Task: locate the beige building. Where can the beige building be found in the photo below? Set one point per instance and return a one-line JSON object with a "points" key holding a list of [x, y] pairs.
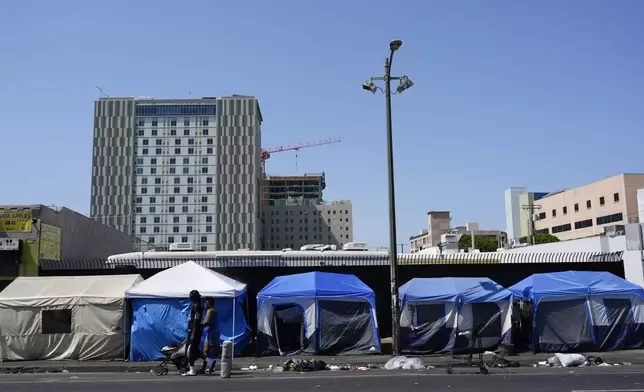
{"points": [[296, 223], [419, 241], [584, 211]]}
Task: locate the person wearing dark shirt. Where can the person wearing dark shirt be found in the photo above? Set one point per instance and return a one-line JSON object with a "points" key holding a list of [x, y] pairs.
{"points": [[211, 345], [195, 332]]}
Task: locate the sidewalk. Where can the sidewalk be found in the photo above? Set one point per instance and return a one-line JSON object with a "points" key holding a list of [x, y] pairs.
{"points": [[633, 357]]}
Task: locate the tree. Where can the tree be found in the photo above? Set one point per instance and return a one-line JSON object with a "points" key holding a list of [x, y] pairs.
{"points": [[482, 243], [539, 238]]}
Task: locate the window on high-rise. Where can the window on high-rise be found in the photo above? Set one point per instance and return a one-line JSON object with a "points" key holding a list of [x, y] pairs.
{"points": [[177, 189], [151, 240], [153, 210], [204, 208], [208, 229], [145, 142], [157, 180], [173, 132], [209, 150], [158, 151], [191, 150], [191, 180], [204, 248], [155, 123], [204, 170], [209, 141], [157, 219], [177, 151], [153, 161], [204, 239], [170, 239], [141, 123], [204, 160], [189, 229], [186, 170], [588, 204], [205, 132], [184, 199], [144, 190], [616, 197], [175, 229], [602, 201], [173, 123], [209, 219], [184, 209], [173, 170], [184, 239], [173, 161], [186, 132], [157, 190], [186, 161], [175, 219], [186, 123], [144, 180], [143, 220], [191, 189], [204, 123], [189, 219], [154, 133], [159, 142], [208, 180], [209, 189], [153, 200], [171, 199], [145, 151], [157, 229], [204, 199], [177, 180], [191, 141], [177, 141], [142, 229], [171, 209], [138, 210]]}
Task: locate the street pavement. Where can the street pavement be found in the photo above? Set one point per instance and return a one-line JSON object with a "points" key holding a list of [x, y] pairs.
{"points": [[634, 357], [528, 380]]}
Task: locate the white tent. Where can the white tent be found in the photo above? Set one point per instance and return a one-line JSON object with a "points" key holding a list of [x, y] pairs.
{"points": [[70, 317], [177, 282]]}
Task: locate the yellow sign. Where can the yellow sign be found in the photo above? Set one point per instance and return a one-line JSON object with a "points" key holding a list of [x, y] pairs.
{"points": [[49, 242], [15, 221]]}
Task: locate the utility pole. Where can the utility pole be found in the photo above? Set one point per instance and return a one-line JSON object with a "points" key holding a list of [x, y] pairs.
{"points": [[402, 248], [530, 209]]}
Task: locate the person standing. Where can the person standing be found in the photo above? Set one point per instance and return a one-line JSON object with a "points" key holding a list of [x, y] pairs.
{"points": [[212, 344], [195, 332]]}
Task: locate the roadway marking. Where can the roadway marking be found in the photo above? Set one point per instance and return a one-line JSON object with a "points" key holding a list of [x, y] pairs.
{"points": [[607, 390]]}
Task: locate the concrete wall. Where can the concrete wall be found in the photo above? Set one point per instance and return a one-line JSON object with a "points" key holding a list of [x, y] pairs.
{"points": [[513, 212], [85, 238], [633, 258]]}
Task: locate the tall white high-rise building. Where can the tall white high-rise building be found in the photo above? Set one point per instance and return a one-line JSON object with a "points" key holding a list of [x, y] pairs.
{"points": [[184, 170]]}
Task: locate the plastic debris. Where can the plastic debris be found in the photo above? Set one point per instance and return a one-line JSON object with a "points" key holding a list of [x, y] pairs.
{"points": [[500, 362], [571, 360], [395, 363], [413, 364]]}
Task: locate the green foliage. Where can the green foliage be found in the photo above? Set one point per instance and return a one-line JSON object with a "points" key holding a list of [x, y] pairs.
{"points": [[482, 243], [540, 238]]}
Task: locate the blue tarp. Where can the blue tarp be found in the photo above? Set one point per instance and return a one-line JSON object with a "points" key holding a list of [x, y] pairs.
{"points": [[581, 311], [316, 285], [573, 284], [337, 310], [461, 290], [158, 322]]}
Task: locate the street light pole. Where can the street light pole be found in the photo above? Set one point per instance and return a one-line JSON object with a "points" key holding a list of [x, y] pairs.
{"points": [[405, 83], [393, 243]]}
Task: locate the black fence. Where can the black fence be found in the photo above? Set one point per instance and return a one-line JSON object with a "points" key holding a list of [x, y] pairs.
{"points": [[375, 275]]}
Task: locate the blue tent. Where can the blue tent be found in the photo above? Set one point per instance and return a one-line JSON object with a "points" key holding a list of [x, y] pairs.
{"points": [[161, 309], [556, 303], [317, 313], [442, 314]]}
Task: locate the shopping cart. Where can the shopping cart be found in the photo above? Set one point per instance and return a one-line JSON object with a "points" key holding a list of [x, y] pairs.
{"points": [[475, 347]]}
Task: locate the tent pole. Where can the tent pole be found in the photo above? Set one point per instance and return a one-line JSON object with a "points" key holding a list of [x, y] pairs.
{"points": [[233, 334]]}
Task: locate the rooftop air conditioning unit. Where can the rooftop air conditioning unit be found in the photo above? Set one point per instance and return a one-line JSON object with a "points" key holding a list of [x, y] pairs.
{"points": [[181, 247]]}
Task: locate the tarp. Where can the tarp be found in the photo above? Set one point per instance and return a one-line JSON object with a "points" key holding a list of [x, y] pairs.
{"points": [[462, 290], [70, 317], [454, 314], [581, 311], [573, 284], [318, 313], [161, 309], [177, 282]]}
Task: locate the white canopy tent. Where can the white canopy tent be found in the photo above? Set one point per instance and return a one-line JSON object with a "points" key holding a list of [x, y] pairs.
{"points": [[70, 317], [162, 289], [177, 282]]}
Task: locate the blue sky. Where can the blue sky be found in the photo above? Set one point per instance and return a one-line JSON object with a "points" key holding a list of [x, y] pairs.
{"points": [[540, 94]]}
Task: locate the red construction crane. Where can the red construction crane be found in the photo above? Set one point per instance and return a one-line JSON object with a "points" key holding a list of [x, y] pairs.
{"points": [[266, 153]]}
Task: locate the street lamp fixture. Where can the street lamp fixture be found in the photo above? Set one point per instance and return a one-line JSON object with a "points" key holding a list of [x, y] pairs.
{"points": [[404, 84]]}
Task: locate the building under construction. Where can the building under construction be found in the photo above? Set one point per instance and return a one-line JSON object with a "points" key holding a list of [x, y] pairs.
{"points": [[304, 190]]}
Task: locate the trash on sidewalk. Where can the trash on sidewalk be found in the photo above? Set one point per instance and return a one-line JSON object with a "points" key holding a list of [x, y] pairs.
{"points": [[500, 362], [571, 360], [303, 365], [402, 362]]}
